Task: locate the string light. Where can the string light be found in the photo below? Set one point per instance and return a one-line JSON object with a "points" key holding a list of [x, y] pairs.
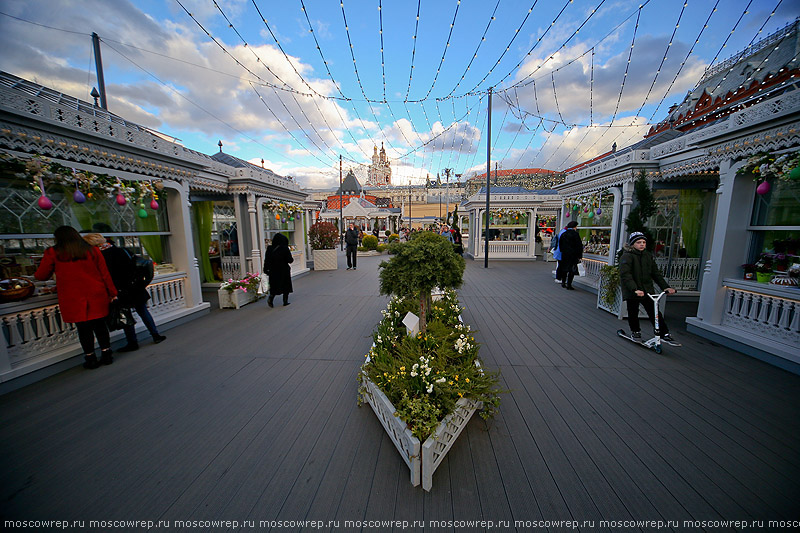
{"points": [[444, 52], [413, 54]]}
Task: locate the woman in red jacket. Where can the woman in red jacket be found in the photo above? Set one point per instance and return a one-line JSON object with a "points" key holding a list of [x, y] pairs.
{"points": [[84, 290]]}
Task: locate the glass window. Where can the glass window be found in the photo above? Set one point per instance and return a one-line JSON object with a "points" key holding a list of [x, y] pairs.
{"points": [[775, 225], [676, 226]]}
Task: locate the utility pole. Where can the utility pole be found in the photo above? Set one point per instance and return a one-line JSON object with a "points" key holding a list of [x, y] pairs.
{"points": [[341, 220], [98, 64], [409, 204], [447, 191], [439, 181], [488, 177]]}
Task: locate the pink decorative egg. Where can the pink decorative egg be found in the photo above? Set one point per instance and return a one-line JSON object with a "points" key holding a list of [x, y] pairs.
{"points": [[121, 200], [763, 188], [153, 204], [45, 203]]}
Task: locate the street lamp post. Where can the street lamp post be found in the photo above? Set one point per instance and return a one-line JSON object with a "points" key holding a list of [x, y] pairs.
{"points": [[341, 221]]}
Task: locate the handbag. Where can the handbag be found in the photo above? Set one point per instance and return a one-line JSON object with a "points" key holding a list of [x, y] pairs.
{"points": [[119, 317], [263, 285]]}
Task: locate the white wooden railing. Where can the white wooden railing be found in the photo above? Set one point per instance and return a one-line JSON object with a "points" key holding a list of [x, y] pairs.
{"points": [[763, 311], [593, 267], [35, 332], [507, 248], [681, 272], [231, 268]]}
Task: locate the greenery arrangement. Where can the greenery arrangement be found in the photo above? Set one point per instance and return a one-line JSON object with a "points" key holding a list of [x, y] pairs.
{"points": [[323, 236], [425, 375], [426, 261], [247, 283], [610, 273], [289, 208], [382, 247], [645, 208], [370, 242]]}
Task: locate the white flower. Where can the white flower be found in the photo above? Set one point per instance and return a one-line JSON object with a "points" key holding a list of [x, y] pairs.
{"points": [[441, 380], [430, 388]]}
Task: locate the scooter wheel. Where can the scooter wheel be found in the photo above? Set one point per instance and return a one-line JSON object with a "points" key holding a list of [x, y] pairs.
{"points": [[657, 348]]}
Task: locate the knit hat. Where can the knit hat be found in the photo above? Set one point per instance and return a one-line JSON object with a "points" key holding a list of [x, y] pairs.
{"points": [[635, 236]]}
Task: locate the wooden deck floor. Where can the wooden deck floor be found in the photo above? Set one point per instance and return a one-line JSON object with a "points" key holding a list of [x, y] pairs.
{"points": [[251, 415]]}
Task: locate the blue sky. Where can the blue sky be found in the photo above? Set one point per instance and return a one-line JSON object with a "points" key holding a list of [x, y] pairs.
{"points": [[569, 78]]}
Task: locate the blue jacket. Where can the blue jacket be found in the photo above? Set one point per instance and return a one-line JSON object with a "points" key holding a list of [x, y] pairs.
{"points": [[556, 251]]}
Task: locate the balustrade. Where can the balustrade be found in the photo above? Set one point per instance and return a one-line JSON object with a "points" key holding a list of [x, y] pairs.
{"points": [[772, 316], [507, 248], [39, 332]]}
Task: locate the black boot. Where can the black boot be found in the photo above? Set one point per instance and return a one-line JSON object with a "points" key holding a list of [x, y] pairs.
{"points": [[270, 300], [90, 361], [285, 299], [105, 357], [130, 347]]}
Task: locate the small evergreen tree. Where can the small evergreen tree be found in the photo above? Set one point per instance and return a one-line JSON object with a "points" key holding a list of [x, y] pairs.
{"points": [[645, 208], [417, 266]]}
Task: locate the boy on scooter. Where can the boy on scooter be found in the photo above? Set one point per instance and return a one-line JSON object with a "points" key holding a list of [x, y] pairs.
{"points": [[638, 271]]}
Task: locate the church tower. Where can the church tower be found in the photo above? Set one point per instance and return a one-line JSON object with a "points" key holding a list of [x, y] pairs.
{"points": [[380, 172]]}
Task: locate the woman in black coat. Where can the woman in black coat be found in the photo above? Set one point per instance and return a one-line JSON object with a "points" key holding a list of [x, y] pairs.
{"points": [[122, 267], [571, 247], [276, 265]]}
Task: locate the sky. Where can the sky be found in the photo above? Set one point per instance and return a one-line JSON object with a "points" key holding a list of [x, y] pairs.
{"points": [[301, 83]]}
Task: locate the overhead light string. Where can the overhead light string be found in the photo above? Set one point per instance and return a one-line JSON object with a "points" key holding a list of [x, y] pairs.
{"points": [[444, 52], [413, 53]]}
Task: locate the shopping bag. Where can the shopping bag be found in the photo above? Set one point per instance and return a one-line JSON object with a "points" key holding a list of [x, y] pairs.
{"points": [[263, 285], [581, 269], [119, 317]]}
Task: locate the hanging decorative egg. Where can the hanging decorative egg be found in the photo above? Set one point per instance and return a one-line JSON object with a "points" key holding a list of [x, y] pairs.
{"points": [[585, 209], [763, 188], [142, 212], [78, 196], [44, 202], [121, 199], [599, 211], [795, 173], [591, 214], [153, 204], [291, 219], [575, 207], [277, 217], [566, 215]]}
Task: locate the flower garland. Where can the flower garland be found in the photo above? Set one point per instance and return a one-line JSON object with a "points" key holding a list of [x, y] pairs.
{"points": [[765, 166], [285, 207], [42, 173], [589, 204], [508, 213]]}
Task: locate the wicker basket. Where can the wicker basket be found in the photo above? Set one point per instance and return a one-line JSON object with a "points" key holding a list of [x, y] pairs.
{"points": [[14, 289]]}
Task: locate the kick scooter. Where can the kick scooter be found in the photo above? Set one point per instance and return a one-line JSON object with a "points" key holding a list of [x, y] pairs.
{"points": [[654, 343]]}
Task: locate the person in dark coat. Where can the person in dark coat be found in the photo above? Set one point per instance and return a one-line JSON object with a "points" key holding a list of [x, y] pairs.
{"points": [[458, 241], [122, 267], [351, 240], [85, 289], [276, 266], [571, 248], [637, 273]]}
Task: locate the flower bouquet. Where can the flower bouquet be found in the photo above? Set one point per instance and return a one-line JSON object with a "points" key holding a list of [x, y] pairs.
{"points": [[247, 283], [238, 292]]}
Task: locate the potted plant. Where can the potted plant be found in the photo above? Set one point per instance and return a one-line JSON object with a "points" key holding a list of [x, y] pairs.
{"points": [[764, 269], [323, 236], [781, 262], [749, 271], [235, 293], [424, 387]]}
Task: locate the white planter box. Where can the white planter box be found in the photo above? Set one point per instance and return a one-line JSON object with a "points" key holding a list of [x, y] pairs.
{"points": [[421, 460], [236, 298], [325, 259]]}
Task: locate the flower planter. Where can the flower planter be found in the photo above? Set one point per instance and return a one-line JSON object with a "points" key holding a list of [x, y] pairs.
{"points": [[422, 459], [325, 259], [618, 307], [236, 298], [763, 277]]}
